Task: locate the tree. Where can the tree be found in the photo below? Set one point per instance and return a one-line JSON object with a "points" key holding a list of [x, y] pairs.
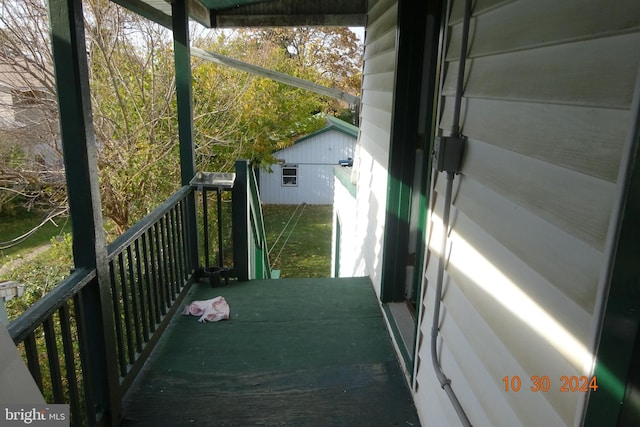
{"points": [[133, 102], [334, 53], [134, 107], [31, 168], [253, 116]]}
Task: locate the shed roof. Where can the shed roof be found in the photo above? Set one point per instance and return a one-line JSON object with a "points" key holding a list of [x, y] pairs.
{"points": [[332, 123]]}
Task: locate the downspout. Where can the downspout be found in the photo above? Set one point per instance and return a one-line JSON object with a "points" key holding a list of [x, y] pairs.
{"points": [[448, 157]]}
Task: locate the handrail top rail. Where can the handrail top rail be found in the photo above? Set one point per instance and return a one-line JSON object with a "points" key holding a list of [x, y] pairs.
{"points": [[136, 230], [38, 312]]}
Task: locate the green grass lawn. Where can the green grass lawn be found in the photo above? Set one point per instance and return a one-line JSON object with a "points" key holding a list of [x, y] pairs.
{"points": [[303, 250], [307, 251], [14, 226]]}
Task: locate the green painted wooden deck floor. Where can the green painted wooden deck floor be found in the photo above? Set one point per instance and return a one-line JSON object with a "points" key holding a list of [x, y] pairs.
{"points": [[296, 352]]}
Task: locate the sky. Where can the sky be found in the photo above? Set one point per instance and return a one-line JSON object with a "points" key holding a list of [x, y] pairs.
{"points": [[359, 32]]}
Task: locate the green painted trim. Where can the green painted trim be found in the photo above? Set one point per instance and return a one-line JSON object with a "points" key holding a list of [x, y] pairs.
{"points": [[259, 236], [85, 208], [139, 228], [333, 124], [404, 142], [147, 11], [613, 402], [184, 96], [35, 315], [427, 129], [226, 4], [183, 90], [343, 174], [197, 11], [76, 127], [259, 266], [336, 255], [404, 351], [239, 222], [343, 126], [248, 226]]}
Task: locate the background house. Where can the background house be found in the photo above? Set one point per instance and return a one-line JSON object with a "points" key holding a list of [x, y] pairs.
{"points": [[28, 117], [305, 172]]}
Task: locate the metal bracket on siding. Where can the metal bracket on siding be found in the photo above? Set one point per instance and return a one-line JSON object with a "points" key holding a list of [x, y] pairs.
{"points": [[448, 153]]}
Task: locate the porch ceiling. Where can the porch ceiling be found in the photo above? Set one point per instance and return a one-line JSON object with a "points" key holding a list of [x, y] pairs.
{"points": [[257, 13]]}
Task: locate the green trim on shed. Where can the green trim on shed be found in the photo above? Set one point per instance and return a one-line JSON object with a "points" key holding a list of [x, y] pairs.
{"points": [[343, 126], [332, 124], [343, 174]]}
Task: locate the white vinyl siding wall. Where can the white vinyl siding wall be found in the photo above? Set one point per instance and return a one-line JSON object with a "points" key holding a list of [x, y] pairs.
{"points": [[315, 159], [349, 257], [372, 154], [546, 112]]}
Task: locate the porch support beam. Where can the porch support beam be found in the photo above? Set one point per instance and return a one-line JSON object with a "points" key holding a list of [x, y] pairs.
{"points": [[180, 21], [89, 244]]}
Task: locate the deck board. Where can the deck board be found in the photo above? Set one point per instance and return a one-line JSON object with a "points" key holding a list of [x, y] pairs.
{"points": [[299, 352]]}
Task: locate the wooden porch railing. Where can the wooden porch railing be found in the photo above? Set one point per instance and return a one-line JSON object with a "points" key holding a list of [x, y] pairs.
{"points": [[149, 276], [148, 267]]}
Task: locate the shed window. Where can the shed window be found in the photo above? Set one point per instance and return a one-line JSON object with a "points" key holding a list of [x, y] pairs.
{"points": [[290, 175]]}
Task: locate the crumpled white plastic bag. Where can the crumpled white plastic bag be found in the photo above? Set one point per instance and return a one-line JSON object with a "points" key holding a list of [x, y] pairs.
{"points": [[210, 310]]}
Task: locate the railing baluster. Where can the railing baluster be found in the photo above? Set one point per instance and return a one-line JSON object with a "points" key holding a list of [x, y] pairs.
{"points": [[160, 265], [166, 285], [33, 362], [115, 296], [172, 256], [186, 237], [54, 360], [166, 245], [127, 312], [175, 213], [173, 248], [144, 313], [174, 252], [182, 245], [83, 341], [151, 262], [69, 359], [135, 314], [148, 270]]}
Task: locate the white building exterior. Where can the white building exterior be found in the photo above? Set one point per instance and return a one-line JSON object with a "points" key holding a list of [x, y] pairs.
{"points": [[346, 253], [550, 110], [305, 172]]}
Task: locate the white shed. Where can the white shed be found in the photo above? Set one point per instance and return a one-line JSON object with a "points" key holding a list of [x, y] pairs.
{"points": [[305, 171]]}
